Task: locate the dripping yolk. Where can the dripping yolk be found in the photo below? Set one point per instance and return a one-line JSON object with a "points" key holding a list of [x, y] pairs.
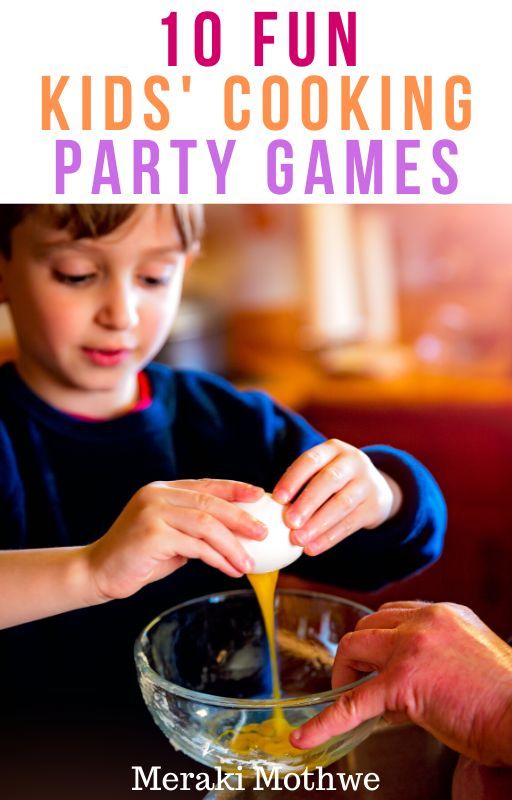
{"points": [[270, 736]]}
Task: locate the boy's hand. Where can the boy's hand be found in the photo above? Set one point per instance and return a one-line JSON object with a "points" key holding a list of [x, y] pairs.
{"points": [[164, 525], [340, 493]]}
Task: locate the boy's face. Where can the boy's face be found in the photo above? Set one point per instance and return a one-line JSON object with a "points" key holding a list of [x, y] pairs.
{"points": [[90, 313]]}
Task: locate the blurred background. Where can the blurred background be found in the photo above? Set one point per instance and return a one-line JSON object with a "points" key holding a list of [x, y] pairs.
{"points": [[385, 324]]}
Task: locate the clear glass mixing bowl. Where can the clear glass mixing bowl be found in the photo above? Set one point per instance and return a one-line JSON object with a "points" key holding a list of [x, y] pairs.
{"points": [[204, 672]]}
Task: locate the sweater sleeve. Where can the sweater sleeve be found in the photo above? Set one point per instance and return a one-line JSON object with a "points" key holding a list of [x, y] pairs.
{"points": [[409, 541], [12, 506]]}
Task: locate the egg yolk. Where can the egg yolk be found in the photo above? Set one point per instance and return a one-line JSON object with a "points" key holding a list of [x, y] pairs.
{"points": [[270, 736]]}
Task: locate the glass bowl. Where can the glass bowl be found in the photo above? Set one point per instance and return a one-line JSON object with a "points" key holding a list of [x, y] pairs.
{"points": [[204, 672]]}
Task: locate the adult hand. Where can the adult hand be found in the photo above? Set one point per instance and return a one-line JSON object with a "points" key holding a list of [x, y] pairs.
{"points": [[438, 666]]}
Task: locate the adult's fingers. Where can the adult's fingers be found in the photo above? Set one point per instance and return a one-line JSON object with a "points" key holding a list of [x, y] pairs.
{"points": [[371, 647], [351, 709], [344, 673], [386, 618], [405, 604]]}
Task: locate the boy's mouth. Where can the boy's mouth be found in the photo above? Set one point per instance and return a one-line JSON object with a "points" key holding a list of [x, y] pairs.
{"points": [[106, 358]]}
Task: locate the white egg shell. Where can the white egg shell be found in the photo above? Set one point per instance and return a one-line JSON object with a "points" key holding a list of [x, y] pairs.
{"points": [[276, 550]]}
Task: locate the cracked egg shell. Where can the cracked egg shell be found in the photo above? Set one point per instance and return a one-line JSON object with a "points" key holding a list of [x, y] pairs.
{"points": [[276, 550]]}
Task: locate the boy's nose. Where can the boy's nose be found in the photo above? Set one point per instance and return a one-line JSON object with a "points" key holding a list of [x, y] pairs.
{"points": [[119, 309]]}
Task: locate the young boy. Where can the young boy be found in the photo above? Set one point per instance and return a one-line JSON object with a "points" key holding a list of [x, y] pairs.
{"points": [[114, 474]]}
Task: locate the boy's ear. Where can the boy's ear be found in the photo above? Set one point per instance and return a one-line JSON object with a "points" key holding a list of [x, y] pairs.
{"points": [[3, 292], [192, 254]]}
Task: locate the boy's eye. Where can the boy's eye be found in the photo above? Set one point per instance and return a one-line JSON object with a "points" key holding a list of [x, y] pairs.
{"points": [[154, 280], [158, 271], [73, 280]]}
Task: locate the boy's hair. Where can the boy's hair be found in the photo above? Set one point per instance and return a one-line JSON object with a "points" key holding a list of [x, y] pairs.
{"points": [[95, 220]]}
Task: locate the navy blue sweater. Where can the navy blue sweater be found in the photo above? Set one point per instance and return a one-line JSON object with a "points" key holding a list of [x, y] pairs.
{"points": [[63, 481]]}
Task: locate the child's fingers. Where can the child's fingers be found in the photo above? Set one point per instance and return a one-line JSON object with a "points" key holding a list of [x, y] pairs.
{"points": [[304, 467], [340, 505], [176, 563], [352, 523], [204, 527], [164, 568], [233, 517], [234, 491], [189, 547], [330, 480]]}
